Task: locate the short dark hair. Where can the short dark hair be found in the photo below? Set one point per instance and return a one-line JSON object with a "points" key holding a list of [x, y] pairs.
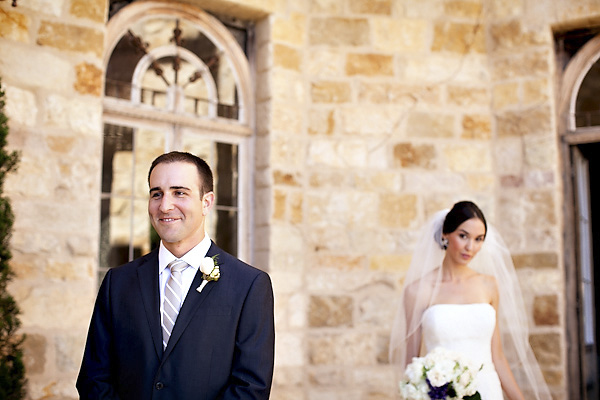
{"points": [[460, 212], [206, 176]]}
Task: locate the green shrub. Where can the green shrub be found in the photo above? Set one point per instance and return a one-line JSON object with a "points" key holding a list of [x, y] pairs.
{"points": [[12, 369]]}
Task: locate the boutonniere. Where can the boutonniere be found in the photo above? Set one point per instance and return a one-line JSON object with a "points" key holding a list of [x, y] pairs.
{"points": [[210, 271]]}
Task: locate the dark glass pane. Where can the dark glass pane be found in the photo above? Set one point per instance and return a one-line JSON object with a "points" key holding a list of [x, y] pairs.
{"points": [[227, 228], [587, 106], [118, 140], [226, 175]]}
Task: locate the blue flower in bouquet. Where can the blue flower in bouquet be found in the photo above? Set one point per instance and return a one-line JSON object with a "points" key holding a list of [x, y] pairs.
{"points": [[440, 375]]}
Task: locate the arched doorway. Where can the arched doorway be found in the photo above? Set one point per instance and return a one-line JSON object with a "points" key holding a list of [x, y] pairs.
{"points": [[579, 127]]}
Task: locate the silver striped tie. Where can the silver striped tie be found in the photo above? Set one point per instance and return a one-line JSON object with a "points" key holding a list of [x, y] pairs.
{"points": [[173, 297]]}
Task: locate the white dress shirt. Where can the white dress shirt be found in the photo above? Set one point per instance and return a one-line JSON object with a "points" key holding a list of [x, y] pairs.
{"points": [[193, 258]]}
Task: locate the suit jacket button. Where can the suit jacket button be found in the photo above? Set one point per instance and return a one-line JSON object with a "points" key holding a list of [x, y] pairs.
{"points": [[159, 385]]}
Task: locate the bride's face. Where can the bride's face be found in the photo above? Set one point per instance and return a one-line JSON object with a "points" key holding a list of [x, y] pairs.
{"points": [[466, 241]]}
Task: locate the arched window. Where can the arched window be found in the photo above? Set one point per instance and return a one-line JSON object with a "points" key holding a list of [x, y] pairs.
{"points": [[177, 78]]}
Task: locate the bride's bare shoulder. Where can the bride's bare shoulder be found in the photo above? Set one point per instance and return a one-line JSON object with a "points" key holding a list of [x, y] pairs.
{"points": [[422, 285]]}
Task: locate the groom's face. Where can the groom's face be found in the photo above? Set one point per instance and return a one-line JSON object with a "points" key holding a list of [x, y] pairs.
{"points": [[177, 206]]}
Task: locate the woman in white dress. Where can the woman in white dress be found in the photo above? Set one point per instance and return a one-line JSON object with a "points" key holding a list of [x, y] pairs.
{"points": [[469, 304]]}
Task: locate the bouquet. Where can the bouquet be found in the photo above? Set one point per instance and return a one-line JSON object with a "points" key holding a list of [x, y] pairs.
{"points": [[442, 374]]}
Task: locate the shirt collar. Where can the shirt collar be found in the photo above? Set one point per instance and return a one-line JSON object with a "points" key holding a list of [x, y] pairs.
{"points": [[193, 257]]}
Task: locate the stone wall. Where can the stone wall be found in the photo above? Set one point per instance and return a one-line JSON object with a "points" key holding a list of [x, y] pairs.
{"points": [[372, 115], [51, 66]]}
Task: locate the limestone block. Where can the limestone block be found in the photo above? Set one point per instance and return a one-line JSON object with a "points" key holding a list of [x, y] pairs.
{"points": [[351, 209], [342, 262], [481, 182], [74, 113], [543, 281], [290, 349], [20, 106], [321, 121], [339, 31], [285, 178], [540, 209], [88, 79], [333, 282], [397, 211], [511, 36], [73, 270], [390, 262], [326, 62], [470, 158], [383, 181], [35, 349], [286, 118], [330, 92], [287, 153], [348, 349], [468, 96], [330, 311], [287, 86], [420, 181], [547, 348], [39, 69], [286, 57], [328, 237], [509, 156], [401, 34], [536, 91], [288, 378], [545, 310], [14, 26], [94, 10], [377, 7], [69, 350], [529, 64], [337, 154], [541, 152], [532, 121], [554, 378], [463, 9], [506, 94], [506, 8], [476, 126], [296, 207], [326, 6], [408, 155], [52, 7], [400, 95], [436, 68], [539, 179], [71, 38], [432, 125], [374, 120], [458, 38], [289, 30], [376, 381], [327, 178], [370, 65], [426, 9], [39, 311]]}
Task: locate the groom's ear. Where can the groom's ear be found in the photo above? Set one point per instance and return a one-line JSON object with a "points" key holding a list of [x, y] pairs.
{"points": [[208, 200]]}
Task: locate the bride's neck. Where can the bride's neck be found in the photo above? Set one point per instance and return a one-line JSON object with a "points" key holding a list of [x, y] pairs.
{"points": [[452, 272]]}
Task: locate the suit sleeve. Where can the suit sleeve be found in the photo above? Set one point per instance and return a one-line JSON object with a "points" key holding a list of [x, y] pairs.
{"points": [[95, 380], [252, 371]]}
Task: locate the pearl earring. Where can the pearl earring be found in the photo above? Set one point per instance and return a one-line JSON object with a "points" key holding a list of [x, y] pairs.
{"points": [[444, 243]]}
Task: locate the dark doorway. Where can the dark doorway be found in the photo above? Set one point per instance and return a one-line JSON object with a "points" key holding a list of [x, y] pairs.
{"points": [[586, 167]]}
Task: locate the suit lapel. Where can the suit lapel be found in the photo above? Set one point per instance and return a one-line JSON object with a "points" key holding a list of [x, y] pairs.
{"points": [[192, 302], [148, 278]]}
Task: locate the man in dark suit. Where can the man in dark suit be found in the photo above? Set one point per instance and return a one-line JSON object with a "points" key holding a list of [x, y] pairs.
{"points": [[221, 345]]}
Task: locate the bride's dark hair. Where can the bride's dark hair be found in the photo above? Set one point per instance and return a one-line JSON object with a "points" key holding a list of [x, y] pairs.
{"points": [[460, 212]]}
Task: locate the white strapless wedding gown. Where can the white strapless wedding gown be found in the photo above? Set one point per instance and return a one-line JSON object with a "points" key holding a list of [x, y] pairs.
{"points": [[466, 328]]}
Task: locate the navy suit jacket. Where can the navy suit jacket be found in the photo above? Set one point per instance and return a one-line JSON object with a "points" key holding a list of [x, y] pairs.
{"points": [[221, 347]]}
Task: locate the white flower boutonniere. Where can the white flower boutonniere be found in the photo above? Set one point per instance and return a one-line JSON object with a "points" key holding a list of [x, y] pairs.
{"points": [[210, 271]]}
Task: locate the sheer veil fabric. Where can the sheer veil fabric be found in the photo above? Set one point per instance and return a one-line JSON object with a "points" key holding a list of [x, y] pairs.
{"points": [[424, 276]]}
